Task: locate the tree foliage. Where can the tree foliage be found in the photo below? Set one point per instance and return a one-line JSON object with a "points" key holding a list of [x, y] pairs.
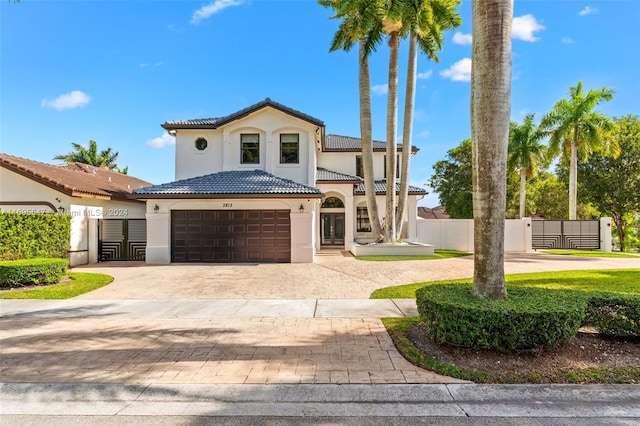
{"points": [[452, 181], [105, 158], [613, 184]]}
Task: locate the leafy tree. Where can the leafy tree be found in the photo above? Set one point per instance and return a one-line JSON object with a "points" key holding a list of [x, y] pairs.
{"points": [[490, 111], [105, 158], [577, 130], [525, 153], [613, 184], [452, 181]]}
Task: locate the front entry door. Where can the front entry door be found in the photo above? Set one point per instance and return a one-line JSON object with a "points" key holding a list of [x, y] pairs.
{"points": [[332, 228]]}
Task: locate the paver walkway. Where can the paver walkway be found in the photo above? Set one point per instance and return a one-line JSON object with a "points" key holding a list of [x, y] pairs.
{"points": [[84, 341]]}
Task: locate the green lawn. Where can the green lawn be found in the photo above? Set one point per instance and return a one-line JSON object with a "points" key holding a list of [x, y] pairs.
{"points": [[591, 253], [81, 283], [613, 280], [438, 254]]}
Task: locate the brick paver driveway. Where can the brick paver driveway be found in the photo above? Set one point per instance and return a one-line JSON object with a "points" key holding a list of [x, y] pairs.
{"points": [[47, 347]]}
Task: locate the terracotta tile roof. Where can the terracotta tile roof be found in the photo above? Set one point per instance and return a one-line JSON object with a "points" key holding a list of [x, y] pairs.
{"points": [[215, 122], [241, 183], [338, 143], [381, 188], [75, 179], [434, 213], [325, 175]]}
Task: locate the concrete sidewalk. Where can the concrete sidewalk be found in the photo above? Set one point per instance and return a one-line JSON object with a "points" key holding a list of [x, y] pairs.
{"points": [[482, 402], [212, 308]]}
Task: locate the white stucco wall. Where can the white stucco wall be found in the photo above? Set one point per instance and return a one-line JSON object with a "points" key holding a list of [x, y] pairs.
{"points": [[345, 162], [223, 148], [457, 234], [159, 223], [85, 211]]}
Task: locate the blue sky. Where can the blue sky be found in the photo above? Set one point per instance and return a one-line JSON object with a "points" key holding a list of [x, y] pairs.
{"points": [[113, 71]]}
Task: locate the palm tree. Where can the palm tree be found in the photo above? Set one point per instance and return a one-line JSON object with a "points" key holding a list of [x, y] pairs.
{"points": [[577, 131], [490, 110], [360, 24], [525, 153], [425, 22], [105, 158]]}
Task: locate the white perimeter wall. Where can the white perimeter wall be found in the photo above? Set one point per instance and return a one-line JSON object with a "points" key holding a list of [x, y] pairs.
{"points": [[457, 234]]}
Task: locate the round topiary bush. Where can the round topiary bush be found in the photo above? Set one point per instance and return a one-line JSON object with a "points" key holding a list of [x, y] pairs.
{"points": [[529, 319], [18, 273]]}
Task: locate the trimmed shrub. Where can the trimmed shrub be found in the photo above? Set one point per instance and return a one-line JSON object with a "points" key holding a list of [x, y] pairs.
{"points": [[614, 314], [529, 319], [18, 273], [27, 236]]}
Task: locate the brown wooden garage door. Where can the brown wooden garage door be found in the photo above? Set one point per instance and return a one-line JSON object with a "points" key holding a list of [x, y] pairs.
{"points": [[231, 236]]}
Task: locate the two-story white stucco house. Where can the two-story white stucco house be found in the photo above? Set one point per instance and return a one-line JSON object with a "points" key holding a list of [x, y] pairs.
{"points": [[264, 184]]}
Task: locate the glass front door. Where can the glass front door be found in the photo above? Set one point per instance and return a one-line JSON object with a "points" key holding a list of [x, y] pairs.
{"points": [[332, 228]]}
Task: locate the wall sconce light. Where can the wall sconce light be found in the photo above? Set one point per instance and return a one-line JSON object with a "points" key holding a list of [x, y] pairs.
{"points": [[528, 225], [61, 210], [301, 208], [156, 208], [609, 224]]}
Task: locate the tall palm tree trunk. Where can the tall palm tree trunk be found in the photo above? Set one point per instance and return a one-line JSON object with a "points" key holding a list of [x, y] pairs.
{"points": [[407, 131], [523, 190], [573, 181], [392, 146], [490, 111], [367, 144]]}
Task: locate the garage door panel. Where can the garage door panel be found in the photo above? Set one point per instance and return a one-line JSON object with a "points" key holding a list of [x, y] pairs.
{"points": [[231, 236]]}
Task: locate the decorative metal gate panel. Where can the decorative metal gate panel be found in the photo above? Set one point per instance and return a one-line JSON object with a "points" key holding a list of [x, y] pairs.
{"points": [[565, 234], [122, 239]]}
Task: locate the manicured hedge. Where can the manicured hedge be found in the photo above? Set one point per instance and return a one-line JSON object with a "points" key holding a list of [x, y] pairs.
{"points": [[26, 236], [529, 319], [18, 273], [614, 314]]}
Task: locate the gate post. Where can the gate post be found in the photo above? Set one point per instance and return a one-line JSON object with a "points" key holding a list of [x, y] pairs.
{"points": [[605, 234], [528, 234]]}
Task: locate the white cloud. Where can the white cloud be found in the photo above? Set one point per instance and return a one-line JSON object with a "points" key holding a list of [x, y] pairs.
{"points": [[588, 10], [424, 133], [380, 89], [145, 65], [524, 28], [212, 8], [161, 141], [69, 100], [424, 75], [461, 38], [460, 71], [567, 40]]}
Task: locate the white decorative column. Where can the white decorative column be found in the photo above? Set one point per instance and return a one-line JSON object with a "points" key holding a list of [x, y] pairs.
{"points": [[349, 221], [312, 160], [158, 234], [269, 150], [606, 241], [528, 234], [226, 151], [302, 237], [412, 213]]}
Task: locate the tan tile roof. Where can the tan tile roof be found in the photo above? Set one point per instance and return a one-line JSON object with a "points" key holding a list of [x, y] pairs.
{"points": [[434, 213], [75, 179]]}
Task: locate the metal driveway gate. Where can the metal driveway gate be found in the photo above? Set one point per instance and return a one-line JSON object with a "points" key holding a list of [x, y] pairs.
{"points": [[565, 234], [122, 239]]}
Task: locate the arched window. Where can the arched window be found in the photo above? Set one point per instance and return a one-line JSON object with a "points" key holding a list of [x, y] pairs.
{"points": [[333, 203]]}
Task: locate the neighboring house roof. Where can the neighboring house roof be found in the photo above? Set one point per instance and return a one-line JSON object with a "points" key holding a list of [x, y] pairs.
{"points": [[338, 143], [434, 213], [216, 122], [325, 175], [230, 184], [381, 188], [75, 179]]}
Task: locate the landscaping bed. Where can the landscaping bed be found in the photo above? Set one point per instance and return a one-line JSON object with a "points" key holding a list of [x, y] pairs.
{"points": [[585, 358]]}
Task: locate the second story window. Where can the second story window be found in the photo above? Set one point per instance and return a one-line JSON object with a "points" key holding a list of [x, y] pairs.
{"points": [[359, 169], [289, 149], [250, 148]]}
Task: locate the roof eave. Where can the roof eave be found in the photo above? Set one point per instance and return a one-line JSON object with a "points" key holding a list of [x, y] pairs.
{"points": [[220, 196]]}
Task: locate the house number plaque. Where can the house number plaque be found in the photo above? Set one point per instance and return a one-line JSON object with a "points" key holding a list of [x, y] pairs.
{"points": [[227, 205]]}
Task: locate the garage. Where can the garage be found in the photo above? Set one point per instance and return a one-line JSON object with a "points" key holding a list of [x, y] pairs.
{"points": [[231, 236]]}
